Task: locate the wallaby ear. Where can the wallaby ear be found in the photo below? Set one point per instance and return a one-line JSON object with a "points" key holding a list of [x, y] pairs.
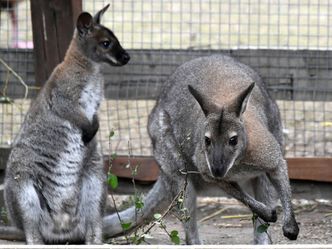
{"points": [[239, 104], [206, 105], [100, 13], [84, 23]]}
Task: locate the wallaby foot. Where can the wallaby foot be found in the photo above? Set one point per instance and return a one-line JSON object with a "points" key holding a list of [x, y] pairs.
{"points": [[291, 229], [11, 233], [280, 180], [264, 192]]}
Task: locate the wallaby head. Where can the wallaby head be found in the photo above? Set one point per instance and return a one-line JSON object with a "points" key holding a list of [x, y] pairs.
{"points": [[224, 136], [98, 42]]}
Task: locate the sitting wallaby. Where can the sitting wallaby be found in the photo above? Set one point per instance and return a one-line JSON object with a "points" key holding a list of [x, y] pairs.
{"points": [[55, 185], [211, 118]]}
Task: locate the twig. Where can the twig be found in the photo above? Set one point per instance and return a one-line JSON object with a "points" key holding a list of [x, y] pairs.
{"points": [[306, 209], [17, 76], [213, 214], [240, 216]]}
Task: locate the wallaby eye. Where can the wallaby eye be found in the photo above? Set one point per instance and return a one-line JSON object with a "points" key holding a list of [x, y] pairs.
{"points": [[207, 141], [233, 141], [106, 44]]}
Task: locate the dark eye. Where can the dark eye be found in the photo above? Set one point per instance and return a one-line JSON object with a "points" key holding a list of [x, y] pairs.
{"points": [[106, 44], [207, 141], [233, 141]]}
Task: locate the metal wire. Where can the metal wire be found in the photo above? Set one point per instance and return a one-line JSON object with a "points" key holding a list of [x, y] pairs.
{"points": [[286, 42], [17, 62]]}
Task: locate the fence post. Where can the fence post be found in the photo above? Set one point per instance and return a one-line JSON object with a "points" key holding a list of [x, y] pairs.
{"points": [[53, 23]]}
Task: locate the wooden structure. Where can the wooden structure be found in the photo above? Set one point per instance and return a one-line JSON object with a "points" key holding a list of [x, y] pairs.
{"points": [[53, 23]]}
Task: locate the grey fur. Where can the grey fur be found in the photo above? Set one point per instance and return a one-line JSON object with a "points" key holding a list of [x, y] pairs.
{"points": [[226, 128], [55, 185]]}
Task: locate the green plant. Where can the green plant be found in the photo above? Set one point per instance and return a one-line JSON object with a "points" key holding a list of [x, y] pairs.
{"points": [[140, 234]]}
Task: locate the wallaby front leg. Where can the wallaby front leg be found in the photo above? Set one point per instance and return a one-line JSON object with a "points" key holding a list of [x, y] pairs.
{"points": [[74, 114], [233, 189], [280, 180], [265, 193]]}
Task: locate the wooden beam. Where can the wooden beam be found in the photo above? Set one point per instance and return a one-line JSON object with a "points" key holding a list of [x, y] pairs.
{"points": [[53, 23], [314, 169], [147, 168]]}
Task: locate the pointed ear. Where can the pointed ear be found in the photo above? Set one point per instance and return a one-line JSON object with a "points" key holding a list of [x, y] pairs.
{"points": [[100, 13], [84, 23], [239, 104], [207, 106]]}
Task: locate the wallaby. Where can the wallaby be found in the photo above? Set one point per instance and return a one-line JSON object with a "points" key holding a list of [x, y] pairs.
{"points": [[55, 184], [215, 117]]}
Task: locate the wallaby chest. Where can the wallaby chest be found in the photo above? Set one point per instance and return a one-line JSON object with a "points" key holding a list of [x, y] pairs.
{"points": [[91, 95]]}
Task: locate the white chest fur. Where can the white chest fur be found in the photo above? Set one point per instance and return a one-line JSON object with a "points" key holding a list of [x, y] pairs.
{"points": [[91, 97]]}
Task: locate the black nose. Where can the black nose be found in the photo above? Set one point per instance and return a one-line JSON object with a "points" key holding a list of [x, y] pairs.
{"points": [[219, 171], [125, 58]]}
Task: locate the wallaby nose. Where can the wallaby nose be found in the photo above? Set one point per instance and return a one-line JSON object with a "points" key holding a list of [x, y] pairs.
{"points": [[218, 171], [125, 58]]}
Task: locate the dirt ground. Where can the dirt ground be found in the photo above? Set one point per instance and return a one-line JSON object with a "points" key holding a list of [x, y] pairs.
{"points": [[232, 225]]}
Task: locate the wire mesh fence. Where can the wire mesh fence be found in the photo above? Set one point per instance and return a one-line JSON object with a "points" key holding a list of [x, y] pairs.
{"points": [[286, 41]]}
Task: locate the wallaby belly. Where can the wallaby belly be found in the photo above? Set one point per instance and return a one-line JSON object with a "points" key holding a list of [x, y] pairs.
{"points": [[55, 154]]}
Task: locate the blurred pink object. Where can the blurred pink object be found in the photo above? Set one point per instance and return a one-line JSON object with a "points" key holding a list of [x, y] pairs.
{"points": [[23, 44], [11, 7]]}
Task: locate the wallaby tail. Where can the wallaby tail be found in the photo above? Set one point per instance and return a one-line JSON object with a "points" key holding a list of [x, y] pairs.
{"points": [[11, 233], [155, 202]]}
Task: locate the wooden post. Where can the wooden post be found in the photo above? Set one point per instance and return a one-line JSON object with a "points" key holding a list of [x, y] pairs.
{"points": [[53, 23]]}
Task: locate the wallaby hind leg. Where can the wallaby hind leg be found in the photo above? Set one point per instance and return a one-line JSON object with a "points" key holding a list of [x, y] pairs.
{"points": [[264, 192], [27, 204], [93, 196], [280, 180]]}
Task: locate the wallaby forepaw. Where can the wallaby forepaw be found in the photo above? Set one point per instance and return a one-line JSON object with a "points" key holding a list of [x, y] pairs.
{"points": [[274, 215], [269, 215], [291, 231]]}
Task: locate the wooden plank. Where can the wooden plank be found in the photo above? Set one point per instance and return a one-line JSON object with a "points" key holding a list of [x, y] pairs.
{"points": [[147, 168], [314, 169], [289, 74], [53, 24]]}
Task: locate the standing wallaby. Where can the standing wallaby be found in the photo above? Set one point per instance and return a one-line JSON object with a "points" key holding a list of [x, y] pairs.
{"points": [[212, 119], [55, 185]]}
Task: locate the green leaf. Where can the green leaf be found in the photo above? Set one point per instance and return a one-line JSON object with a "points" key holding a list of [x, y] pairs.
{"points": [[139, 204], [174, 235], [126, 226], [113, 156], [5, 100], [111, 134], [157, 216], [112, 180], [263, 228]]}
